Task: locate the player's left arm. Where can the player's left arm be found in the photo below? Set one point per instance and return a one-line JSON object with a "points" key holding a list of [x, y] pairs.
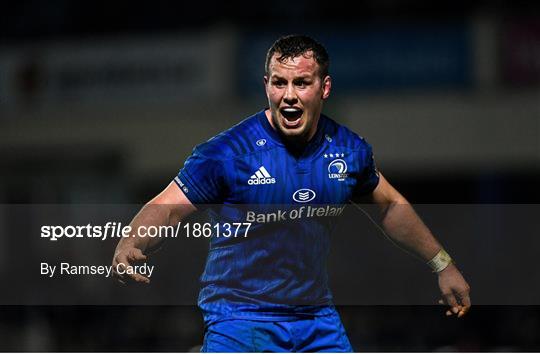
{"points": [[401, 223]]}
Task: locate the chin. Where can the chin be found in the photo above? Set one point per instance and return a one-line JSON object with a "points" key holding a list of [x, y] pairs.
{"points": [[299, 130], [292, 132], [296, 134]]}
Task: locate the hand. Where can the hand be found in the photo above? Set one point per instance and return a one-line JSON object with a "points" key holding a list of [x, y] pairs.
{"points": [[123, 257], [455, 291]]}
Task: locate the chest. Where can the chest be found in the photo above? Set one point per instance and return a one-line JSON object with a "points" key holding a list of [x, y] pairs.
{"points": [[329, 176]]}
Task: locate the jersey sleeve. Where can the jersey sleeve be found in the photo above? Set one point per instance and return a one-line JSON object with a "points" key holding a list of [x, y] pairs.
{"points": [[369, 176], [202, 179]]}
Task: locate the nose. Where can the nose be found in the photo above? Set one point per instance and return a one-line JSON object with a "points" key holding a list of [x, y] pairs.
{"points": [[290, 95]]}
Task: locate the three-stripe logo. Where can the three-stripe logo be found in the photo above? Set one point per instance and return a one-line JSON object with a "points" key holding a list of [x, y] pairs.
{"points": [[261, 176]]}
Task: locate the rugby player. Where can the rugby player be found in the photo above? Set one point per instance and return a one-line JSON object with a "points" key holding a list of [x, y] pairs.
{"points": [[269, 291]]}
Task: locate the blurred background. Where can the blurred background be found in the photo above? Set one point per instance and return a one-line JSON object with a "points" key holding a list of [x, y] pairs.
{"points": [[101, 102]]}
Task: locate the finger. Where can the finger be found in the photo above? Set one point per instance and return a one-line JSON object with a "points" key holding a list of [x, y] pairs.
{"points": [[119, 277], [136, 255], [122, 273], [442, 302], [139, 278], [119, 263], [452, 302], [128, 275], [466, 301], [120, 266], [132, 278], [122, 261], [120, 257]]}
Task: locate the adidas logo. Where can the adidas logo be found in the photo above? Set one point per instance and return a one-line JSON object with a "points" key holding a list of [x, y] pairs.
{"points": [[261, 176]]}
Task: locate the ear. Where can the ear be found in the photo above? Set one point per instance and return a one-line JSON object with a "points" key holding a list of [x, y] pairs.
{"points": [[326, 87], [265, 80]]}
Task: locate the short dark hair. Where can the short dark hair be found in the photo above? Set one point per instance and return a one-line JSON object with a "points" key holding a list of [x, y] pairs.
{"points": [[294, 45]]}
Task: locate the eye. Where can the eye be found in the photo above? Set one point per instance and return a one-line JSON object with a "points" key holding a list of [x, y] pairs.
{"points": [[302, 83], [279, 83]]}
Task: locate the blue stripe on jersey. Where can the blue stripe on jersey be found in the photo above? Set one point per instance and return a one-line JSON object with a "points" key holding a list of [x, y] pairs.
{"points": [[279, 270]]}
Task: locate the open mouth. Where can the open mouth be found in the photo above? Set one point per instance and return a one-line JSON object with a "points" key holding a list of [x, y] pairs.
{"points": [[292, 115]]}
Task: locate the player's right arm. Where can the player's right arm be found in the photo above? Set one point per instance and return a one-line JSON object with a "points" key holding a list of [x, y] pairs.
{"points": [[168, 208]]}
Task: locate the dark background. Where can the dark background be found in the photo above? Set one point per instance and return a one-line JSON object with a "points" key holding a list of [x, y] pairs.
{"points": [[101, 102]]}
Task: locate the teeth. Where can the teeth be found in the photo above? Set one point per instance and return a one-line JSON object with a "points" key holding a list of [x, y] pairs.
{"points": [[291, 109]]}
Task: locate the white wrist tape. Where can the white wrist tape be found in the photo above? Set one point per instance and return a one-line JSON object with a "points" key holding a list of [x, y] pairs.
{"points": [[440, 261]]}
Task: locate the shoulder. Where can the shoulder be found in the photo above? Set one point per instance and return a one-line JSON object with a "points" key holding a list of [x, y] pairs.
{"points": [[341, 136], [233, 142]]}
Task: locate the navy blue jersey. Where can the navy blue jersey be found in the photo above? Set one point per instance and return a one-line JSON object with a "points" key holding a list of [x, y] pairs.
{"points": [[292, 201]]}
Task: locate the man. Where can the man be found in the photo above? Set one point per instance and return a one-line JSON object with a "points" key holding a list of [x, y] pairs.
{"points": [[268, 291]]}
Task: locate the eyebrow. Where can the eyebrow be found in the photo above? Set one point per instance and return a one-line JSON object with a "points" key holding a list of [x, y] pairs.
{"points": [[275, 76]]}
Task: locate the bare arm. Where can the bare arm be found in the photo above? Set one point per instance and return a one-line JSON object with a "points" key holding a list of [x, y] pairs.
{"points": [[401, 223], [167, 208]]}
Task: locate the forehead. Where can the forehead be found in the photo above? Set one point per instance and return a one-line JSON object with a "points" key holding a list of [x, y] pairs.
{"points": [[304, 65]]}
